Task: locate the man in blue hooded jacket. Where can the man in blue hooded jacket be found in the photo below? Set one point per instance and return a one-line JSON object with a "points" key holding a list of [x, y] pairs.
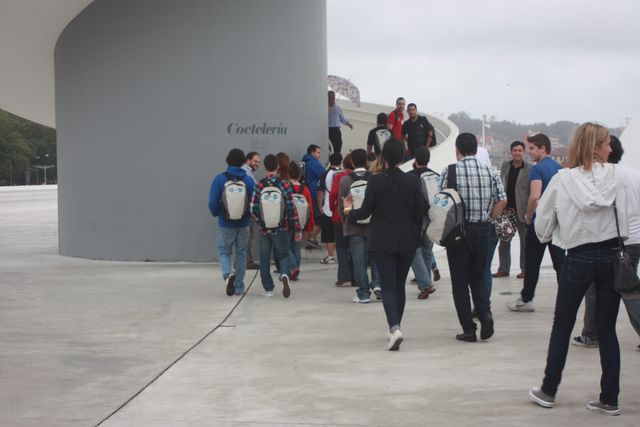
{"points": [[313, 170], [232, 232]]}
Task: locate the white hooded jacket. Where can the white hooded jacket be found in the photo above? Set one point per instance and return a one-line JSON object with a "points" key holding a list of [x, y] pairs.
{"points": [[577, 207]]}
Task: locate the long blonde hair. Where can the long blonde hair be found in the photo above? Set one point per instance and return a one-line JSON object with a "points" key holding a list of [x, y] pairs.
{"points": [[582, 151]]}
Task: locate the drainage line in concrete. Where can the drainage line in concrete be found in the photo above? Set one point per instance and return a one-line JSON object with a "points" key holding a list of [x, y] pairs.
{"points": [[182, 356]]}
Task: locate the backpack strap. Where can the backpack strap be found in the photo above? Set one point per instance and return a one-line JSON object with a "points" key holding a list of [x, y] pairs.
{"points": [[355, 177], [230, 177], [452, 180], [300, 189]]}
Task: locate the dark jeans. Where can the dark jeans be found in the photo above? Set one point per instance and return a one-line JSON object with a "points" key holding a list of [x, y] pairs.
{"points": [[534, 251], [582, 266], [335, 136], [468, 267], [342, 252], [393, 269]]}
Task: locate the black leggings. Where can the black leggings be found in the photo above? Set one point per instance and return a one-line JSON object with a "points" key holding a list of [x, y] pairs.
{"points": [[393, 270]]}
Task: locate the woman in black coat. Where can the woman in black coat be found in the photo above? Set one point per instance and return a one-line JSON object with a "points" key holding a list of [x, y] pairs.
{"points": [[396, 205]]}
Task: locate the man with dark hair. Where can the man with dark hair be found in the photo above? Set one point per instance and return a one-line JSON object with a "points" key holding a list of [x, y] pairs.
{"points": [[378, 135], [229, 201], [356, 233], [539, 176], [336, 116], [313, 170], [251, 164], [484, 198], [276, 238], [515, 179], [423, 260], [327, 235], [417, 132], [396, 119]]}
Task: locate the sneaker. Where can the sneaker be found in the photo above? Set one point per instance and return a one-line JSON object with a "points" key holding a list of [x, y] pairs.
{"points": [[253, 266], [328, 260], [295, 273], [286, 290], [519, 305], [231, 280], [582, 341], [436, 274], [268, 293], [359, 300], [378, 293], [312, 244], [486, 327], [542, 398], [395, 339], [424, 294], [596, 405]]}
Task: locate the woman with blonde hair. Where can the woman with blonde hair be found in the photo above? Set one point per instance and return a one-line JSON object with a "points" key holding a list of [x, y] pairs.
{"points": [[578, 211]]}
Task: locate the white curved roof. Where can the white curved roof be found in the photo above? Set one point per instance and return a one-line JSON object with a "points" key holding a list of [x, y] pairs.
{"points": [[29, 30]]}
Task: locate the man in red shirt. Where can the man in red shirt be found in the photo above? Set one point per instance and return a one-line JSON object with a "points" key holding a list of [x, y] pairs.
{"points": [[396, 119]]}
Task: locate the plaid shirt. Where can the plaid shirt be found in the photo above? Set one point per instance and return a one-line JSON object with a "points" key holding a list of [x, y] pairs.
{"points": [[290, 221], [478, 187]]}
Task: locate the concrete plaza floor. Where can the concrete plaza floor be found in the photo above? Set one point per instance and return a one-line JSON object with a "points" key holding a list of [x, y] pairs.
{"points": [[87, 342]]}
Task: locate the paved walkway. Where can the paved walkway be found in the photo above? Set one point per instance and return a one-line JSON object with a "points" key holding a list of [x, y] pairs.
{"points": [[80, 340]]}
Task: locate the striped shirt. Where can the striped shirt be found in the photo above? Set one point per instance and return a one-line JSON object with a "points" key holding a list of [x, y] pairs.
{"points": [[290, 222], [478, 187]]}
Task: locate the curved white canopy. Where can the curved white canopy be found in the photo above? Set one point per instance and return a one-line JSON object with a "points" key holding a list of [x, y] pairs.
{"points": [[29, 30]]}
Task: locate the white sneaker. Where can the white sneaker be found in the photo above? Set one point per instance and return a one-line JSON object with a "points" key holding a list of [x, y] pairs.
{"points": [[395, 339], [378, 293], [328, 260], [268, 293], [519, 305], [360, 300], [286, 290]]}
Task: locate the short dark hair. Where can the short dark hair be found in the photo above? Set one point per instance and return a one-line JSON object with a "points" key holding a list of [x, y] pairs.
{"points": [[235, 157], [399, 99], [311, 148], [616, 150], [294, 170], [423, 155], [381, 118], [359, 157], [270, 163], [412, 105], [250, 155], [335, 159], [516, 143], [393, 152], [540, 140], [467, 144]]}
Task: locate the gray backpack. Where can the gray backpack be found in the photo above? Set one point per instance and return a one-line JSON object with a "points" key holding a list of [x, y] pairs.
{"points": [[235, 198], [446, 214], [271, 205]]}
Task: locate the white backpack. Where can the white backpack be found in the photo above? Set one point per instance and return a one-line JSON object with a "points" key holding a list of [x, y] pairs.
{"points": [[446, 214], [235, 198], [382, 136], [357, 190], [430, 181], [302, 206], [271, 206]]}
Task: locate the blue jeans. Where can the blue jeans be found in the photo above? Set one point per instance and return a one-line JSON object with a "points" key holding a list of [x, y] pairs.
{"points": [[295, 256], [434, 264], [358, 250], [491, 251], [279, 243], [393, 269], [227, 239], [421, 260], [582, 266], [375, 275], [468, 265]]}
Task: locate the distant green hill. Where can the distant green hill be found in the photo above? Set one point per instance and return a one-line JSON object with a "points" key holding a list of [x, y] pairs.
{"points": [[23, 146]]}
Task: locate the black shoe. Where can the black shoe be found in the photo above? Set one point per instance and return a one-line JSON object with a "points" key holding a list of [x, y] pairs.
{"points": [[486, 327], [253, 266], [231, 288], [468, 337], [436, 274]]}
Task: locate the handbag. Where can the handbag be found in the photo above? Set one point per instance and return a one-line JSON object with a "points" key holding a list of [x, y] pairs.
{"points": [[506, 224], [625, 279]]}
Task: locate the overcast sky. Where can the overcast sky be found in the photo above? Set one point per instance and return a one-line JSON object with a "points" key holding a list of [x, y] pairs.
{"points": [[523, 60]]}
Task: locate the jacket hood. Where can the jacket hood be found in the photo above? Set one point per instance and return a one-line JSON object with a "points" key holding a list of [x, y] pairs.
{"points": [[590, 190], [237, 171], [308, 157]]}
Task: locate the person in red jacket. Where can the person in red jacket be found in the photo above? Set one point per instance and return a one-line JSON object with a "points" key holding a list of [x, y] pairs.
{"points": [[396, 119], [342, 247]]}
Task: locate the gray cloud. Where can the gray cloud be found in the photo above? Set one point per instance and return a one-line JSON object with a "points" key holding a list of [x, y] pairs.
{"points": [[527, 61]]}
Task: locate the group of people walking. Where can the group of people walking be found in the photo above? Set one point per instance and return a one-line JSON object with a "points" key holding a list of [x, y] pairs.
{"points": [[373, 216]]}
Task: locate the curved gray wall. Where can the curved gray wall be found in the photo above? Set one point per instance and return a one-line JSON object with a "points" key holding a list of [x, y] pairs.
{"points": [[151, 95]]}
